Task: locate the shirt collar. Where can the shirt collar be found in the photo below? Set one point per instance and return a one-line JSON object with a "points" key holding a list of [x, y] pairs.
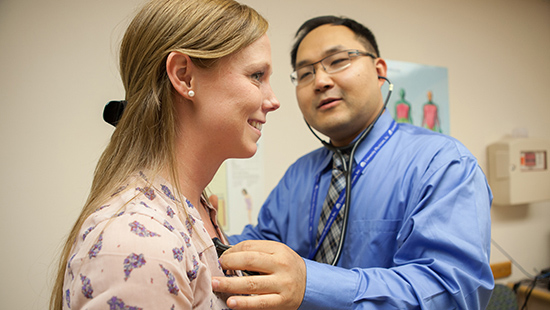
{"points": [[379, 128]]}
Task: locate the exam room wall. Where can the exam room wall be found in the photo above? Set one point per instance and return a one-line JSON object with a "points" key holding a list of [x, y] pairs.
{"points": [[58, 67]]}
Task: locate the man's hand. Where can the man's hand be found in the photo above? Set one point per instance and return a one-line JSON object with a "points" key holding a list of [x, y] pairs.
{"points": [[280, 285]]}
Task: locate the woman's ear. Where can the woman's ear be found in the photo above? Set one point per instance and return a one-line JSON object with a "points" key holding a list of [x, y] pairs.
{"points": [[179, 69]]}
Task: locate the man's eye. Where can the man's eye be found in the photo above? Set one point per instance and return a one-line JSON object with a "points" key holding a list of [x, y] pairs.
{"points": [[338, 62], [304, 75]]}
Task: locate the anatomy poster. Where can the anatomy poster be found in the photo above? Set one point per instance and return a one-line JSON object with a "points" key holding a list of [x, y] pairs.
{"points": [[420, 95]]}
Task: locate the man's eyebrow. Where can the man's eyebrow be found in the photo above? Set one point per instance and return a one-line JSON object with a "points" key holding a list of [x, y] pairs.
{"points": [[332, 50]]}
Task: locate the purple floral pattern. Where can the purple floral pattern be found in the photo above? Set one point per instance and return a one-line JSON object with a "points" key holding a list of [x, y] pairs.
{"points": [[167, 192], [119, 190], [87, 289], [192, 274], [186, 238], [101, 208], [98, 256], [116, 303], [170, 212], [132, 262], [172, 286], [141, 174], [85, 234], [141, 231], [148, 192], [68, 298], [167, 225], [178, 253], [69, 269], [189, 223], [96, 247]]}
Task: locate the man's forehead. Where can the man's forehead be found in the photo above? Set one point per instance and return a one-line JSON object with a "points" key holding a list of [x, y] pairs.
{"points": [[325, 40]]}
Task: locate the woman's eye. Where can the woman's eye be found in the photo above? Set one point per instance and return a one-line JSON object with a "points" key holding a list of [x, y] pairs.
{"points": [[257, 76]]}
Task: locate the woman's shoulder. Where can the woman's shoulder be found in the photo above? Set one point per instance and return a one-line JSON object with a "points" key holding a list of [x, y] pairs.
{"points": [[131, 254], [130, 259]]}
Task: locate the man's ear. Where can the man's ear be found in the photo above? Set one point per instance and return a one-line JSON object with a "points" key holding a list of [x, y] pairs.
{"points": [[381, 69], [179, 69]]}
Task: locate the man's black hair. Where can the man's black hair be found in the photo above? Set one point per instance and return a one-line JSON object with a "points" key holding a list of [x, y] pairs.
{"points": [[362, 33]]}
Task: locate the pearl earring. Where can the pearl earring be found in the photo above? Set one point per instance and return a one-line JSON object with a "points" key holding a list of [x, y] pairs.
{"points": [[191, 93]]}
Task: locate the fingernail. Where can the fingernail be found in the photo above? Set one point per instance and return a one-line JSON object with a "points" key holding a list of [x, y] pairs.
{"points": [[215, 284], [231, 303]]}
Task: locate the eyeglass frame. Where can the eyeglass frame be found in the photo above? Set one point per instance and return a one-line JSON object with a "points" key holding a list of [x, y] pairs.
{"points": [[351, 53]]}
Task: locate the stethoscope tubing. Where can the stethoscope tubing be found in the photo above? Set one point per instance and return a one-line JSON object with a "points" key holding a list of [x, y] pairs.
{"points": [[349, 168]]}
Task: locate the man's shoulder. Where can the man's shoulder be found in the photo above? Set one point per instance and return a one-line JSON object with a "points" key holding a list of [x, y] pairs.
{"points": [[308, 164], [423, 139], [312, 159]]}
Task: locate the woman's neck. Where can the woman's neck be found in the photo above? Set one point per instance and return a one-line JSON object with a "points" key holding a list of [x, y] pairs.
{"points": [[196, 166]]}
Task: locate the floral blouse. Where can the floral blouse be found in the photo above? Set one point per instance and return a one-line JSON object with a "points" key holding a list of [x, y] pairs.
{"points": [[139, 251]]}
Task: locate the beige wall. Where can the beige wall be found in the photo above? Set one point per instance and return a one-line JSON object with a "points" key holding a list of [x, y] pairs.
{"points": [[58, 69]]}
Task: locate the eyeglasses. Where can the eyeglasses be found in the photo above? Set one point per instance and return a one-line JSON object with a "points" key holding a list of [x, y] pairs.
{"points": [[331, 64]]}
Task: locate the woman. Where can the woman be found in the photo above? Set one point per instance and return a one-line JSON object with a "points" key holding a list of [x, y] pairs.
{"points": [[196, 75]]}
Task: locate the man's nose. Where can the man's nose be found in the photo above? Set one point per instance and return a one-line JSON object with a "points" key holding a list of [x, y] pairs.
{"points": [[322, 80]]}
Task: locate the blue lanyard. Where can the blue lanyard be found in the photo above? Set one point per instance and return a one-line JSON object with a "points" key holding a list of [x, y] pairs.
{"points": [[358, 171]]}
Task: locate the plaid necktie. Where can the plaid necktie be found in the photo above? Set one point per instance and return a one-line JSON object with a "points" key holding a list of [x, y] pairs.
{"points": [[329, 247]]}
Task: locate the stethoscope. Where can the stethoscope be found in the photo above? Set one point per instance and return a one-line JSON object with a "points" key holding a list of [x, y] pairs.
{"points": [[349, 166]]}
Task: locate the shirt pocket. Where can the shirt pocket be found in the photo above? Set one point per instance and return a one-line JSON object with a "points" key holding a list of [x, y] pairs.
{"points": [[371, 243]]}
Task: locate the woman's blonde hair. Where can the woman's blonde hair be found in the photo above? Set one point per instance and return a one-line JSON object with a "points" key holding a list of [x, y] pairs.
{"points": [[206, 30]]}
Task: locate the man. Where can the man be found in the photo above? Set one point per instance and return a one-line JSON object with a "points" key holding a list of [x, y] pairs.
{"points": [[418, 234]]}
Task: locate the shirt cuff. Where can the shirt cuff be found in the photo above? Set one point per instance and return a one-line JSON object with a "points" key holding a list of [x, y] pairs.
{"points": [[328, 287]]}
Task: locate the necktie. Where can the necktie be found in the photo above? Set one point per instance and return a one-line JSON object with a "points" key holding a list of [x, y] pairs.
{"points": [[329, 247]]}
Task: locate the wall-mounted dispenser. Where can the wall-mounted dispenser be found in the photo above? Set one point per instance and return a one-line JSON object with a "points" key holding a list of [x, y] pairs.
{"points": [[518, 170]]}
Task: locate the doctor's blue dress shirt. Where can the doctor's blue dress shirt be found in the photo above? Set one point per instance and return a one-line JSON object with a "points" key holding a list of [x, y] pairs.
{"points": [[419, 230]]}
